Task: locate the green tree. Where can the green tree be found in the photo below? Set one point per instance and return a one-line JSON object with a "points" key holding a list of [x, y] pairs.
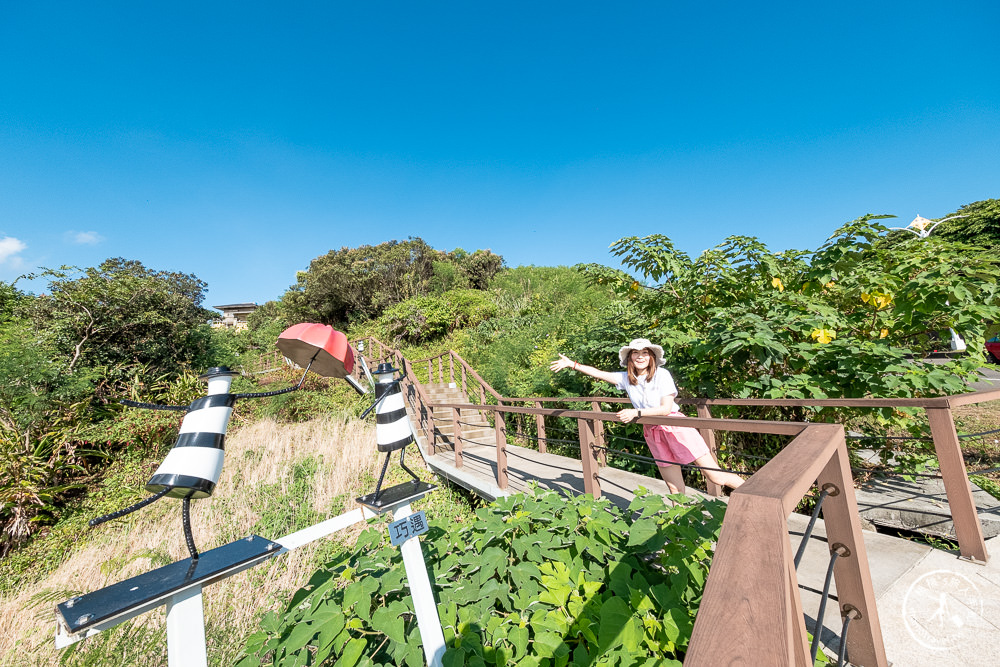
{"points": [[121, 315], [851, 319], [481, 267], [353, 284]]}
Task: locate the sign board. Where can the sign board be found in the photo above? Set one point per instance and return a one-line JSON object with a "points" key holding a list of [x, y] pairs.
{"points": [[407, 527]]}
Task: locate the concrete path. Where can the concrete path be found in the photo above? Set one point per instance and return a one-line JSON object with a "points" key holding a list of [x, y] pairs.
{"points": [[934, 608]]}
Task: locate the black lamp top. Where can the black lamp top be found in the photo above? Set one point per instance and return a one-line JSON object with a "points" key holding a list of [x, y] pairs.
{"points": [[385, 368]]}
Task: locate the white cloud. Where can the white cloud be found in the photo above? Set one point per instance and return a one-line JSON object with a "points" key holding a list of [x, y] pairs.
{"points": [[84, 238], [9, 248]]}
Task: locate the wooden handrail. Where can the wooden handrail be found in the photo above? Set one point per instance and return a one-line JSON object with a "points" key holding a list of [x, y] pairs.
{"points": [[950, 401], [761, 616], [738, 425], [455, 356], [968, 528]]}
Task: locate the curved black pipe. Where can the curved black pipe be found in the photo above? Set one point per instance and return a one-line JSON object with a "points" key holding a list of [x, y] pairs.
{"points": [[128, 510]]}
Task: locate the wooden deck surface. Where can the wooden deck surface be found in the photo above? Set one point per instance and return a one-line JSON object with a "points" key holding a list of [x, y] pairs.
{"points": [[551, 471]]}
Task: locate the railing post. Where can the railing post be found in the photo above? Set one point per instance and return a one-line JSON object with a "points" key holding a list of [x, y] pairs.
{"points": [[591, 483], [451, 368], [851, 571], [540, 422], [456, 432], [956, 484], [602, 455], [482, 395], [709, 435], [465, 385], [500, 433], [430, 372], [441, 369]]}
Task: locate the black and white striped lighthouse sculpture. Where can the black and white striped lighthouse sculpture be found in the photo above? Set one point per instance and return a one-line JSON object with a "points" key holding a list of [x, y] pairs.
{"points": [[192, 468], [392, 433], [392, 428]]}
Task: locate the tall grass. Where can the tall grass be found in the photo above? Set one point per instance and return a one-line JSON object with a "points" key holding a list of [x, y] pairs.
{"points": [[277, 479]]}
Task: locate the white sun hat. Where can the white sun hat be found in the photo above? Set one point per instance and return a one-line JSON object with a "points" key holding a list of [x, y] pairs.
{"points": [[640, 344]]}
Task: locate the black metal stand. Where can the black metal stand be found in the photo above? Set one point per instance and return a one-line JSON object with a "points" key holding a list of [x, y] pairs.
{"points": [[188, 537]]}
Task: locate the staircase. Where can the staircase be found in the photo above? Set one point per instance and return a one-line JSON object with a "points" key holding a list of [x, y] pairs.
{"points": [[476, 430]]}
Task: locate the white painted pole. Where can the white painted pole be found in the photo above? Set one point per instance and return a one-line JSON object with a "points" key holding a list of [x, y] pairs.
{"points": [[186, 630], [320, 530], [428, 620]]}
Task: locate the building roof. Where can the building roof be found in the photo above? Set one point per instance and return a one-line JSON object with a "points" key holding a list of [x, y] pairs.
{"points": [[236, 306]]}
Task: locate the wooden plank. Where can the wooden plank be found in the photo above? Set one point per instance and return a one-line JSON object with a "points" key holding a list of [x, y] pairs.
{"points": [[602, 454], [851, 572], [795, 468], [956, 484], [500, 432], [974, 397], [591, 482], [757, 615], [709, 435], [741, 425], [540, 423], [457, 436]]}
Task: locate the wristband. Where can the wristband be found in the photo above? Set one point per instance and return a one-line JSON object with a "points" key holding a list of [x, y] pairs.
{"points": [[576, 365], [638, 413]]}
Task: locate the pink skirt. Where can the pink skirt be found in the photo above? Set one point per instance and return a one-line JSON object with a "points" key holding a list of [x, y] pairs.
{"points": [[677, 444]]}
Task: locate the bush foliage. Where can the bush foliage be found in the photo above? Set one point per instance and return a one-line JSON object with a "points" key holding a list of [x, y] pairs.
{"points": [[539, 580]]}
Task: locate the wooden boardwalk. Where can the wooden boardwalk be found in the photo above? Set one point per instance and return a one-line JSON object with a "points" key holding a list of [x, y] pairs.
{"points": [[524, 466]]}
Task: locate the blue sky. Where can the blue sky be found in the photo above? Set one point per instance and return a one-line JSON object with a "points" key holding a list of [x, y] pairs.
{"points": [[239, 140]]}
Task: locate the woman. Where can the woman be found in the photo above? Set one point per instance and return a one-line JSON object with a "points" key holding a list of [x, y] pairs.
{"points": [[652, 391]]}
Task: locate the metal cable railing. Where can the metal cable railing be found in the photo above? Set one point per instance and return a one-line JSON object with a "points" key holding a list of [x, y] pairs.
{"points": [[651, 459], [826, 491], [837, 551]]}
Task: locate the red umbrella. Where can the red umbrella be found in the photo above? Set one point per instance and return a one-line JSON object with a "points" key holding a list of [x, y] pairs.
{"points": [[320, 345]]}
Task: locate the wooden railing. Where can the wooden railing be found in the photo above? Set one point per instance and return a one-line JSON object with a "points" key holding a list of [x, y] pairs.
{"points": [[467, 378], [761, 614], [968, 529]]}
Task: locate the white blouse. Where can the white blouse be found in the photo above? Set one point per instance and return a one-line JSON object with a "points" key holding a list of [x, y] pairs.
{"points": [[647, 394]]}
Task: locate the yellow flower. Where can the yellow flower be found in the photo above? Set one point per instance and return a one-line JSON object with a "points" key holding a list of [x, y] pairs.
{"points": [[880, 300], [883, 333], [823, 336], [635, 285], [776, 282], [829, 285]]}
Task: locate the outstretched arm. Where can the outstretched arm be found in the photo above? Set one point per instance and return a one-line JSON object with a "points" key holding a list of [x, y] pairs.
{"points": [[565, 362]]}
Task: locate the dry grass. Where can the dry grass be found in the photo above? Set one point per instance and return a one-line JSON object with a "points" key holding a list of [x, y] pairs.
{"points": [[253, 495]]}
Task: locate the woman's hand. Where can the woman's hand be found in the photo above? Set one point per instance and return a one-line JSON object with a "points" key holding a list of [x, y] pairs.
{"points": [[562, 362], [628, 415]]}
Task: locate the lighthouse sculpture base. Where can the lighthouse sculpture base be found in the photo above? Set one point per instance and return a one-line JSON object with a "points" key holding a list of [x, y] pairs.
{"points": [[395, 496], [151, 589]]}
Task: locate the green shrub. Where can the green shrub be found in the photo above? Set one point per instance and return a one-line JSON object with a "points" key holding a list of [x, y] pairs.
{"points": [[425, 318], [534, 580]]}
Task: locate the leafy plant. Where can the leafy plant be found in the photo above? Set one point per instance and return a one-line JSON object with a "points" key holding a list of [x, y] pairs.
{"points": [[535, 580], [852, 319], [425, 318]]}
